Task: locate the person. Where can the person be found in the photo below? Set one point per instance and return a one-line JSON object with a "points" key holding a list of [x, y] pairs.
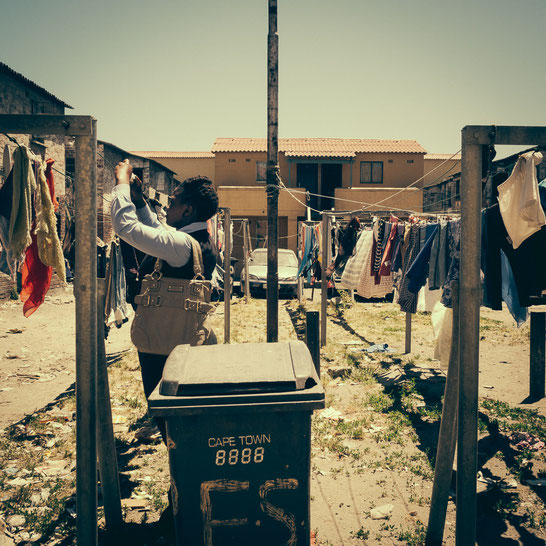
{"points": [[193, 202]]}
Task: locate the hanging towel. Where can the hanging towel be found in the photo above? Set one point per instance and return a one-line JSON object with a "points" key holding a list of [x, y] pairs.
{"points": [[24, 185], [418, 272], [116, 310], [519, 200], [49, 245]]}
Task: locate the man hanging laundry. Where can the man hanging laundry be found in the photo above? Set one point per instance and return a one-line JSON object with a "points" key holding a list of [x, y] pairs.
{"points": [[192, 204]]}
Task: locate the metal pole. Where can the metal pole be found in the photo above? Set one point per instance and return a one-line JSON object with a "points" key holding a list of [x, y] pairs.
{"points": [[85, 290], [447, 438], [227, 275], [408, 333], [537, 372], [272, 175], [245, 252], [108, 464], [312, 338], [323, 281], [469, 327]]}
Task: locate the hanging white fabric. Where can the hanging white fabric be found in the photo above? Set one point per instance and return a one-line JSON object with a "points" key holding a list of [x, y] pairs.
{"points": [[519, 200]]}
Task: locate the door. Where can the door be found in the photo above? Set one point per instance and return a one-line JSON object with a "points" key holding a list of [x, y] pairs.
{"points": [[331, 178], [307, 177]]}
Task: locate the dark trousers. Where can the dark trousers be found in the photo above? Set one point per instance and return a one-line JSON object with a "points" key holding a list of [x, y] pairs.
{"points": [[151, 367]]}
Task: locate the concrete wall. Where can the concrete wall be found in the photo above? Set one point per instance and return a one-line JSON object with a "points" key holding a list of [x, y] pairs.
{"points": [[410, 199], [447, 169]]}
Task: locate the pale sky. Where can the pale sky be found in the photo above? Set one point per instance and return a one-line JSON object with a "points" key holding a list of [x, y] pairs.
{"points": [[176, 74]]}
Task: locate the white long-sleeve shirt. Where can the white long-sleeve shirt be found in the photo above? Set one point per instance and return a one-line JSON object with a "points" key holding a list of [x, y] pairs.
{"points": [[141, 229]]}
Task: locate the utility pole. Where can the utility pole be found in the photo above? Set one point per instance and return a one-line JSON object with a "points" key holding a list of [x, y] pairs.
{"points": [[272, 175]]}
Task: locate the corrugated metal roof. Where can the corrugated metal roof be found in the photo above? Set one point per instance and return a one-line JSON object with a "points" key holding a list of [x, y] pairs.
{"points": [[319, 147], [175, 155], [443, 157], [5, 68]]}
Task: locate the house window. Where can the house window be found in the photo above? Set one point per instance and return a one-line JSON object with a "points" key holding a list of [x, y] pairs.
{"points": [[410, 160], [261, 171], [232, 160], [247, 160], [371, 172]]}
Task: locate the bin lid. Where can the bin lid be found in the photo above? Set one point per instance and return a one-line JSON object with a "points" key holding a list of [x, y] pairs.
{"points": [[238, 369]]}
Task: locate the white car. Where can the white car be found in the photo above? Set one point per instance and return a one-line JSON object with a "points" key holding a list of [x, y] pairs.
{"points": [[257, 272]]}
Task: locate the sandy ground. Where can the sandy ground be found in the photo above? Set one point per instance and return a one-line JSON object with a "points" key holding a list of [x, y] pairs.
{"points": [[37, 354], [350, 476]]}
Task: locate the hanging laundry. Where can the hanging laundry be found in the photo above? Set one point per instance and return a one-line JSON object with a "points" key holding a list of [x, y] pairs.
{"points": [[388, 253], [49, 245], [24, 185], [116, 310], [519, 200], [406, 299], [367, 286], [353, 269], [454, 242], [510, 292], [437, 264], [528, 261], [418, 271], [7, 260], [347, 243]]}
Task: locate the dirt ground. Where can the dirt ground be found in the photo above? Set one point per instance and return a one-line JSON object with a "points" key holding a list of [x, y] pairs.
{"points": [[373, 447]]}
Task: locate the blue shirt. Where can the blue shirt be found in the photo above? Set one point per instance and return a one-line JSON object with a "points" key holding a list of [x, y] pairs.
{"points": [[141, 229]]}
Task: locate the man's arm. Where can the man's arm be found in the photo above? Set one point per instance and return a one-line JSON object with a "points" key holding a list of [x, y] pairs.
{"points": [[172, 246], [144, 213]]}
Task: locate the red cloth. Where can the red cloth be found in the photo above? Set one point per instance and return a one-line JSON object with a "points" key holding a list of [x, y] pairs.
{"points": [[35, 276]]}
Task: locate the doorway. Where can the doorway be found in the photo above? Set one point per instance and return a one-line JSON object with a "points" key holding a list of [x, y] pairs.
{"points": [[307, 177], [331, 178]]}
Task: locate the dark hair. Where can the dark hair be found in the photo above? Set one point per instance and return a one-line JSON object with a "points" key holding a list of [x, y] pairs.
{"points": [[198, 192]]}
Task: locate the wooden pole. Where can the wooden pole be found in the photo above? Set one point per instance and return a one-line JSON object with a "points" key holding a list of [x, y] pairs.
{"points": [[272, 175], [323, 280], [447, 438], [469, 326], [85, 290], [245, 257], [312, 338], [537, 360], [108, 464], [408, 333], [227, 275]]}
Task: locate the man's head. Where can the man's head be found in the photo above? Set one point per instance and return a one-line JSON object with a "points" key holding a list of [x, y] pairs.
{"points": [[194, 200]]}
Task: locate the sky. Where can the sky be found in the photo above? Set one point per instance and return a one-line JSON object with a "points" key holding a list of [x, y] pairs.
{"points": [[176, 74]]}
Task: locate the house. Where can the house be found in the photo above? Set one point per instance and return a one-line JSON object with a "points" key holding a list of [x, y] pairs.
{"points": [[445, 195], [340, 174], [154, 176], [184, 164], [439, 167], [19, 95]]}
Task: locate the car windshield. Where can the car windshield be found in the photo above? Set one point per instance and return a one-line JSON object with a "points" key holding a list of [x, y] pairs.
{"points": [[286, 259]]}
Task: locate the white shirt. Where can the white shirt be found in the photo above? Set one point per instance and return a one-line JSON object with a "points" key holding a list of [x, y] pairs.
{"points": [[141, 229], [519, 200]]}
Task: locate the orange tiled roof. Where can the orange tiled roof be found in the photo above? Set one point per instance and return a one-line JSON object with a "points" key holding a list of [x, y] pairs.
{"points": [[443, 157], [174, 155], [319, 147]]}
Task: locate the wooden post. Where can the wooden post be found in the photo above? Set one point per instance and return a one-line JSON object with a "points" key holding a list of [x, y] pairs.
{"points": [[408, 333], [245, 257], [469, 347], [537, 369], [312, 338], [272, 175], [323, 280], [108, 464], [447, 438], [227, 275]]}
